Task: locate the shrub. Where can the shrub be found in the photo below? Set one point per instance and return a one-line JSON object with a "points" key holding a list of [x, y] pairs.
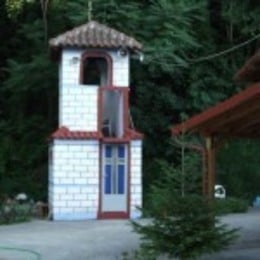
{"points": [[183, 223], [13, 212], [230, 205]]}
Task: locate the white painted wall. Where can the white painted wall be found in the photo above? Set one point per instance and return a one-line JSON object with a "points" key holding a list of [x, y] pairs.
{"points": [[74, 175], [74, 183], [79, 107], [78, 104], [136, 178], [120, 69], [70, 72]]}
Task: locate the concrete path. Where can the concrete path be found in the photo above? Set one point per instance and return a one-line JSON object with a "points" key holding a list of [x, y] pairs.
{"points": [[69, 240], [105, 240], [247, 247]]}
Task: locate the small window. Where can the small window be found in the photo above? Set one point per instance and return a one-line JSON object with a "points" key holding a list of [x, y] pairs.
{"points": [[95, 71]]}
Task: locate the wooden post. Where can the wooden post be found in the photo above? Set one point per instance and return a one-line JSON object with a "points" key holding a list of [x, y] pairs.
{"points": [[204, 172], [211, 166]]}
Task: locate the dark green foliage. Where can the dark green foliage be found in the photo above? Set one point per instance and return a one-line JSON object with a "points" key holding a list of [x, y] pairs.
{"points": [[28, 106], [15, 213], [238, 169], [171, 83], [230, 205]]}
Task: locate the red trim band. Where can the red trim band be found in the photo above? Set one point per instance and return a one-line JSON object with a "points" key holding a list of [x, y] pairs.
{"points": [[113, 215]]}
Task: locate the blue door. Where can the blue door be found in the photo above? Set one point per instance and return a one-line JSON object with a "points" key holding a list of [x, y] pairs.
{"points": [[114, 184]]}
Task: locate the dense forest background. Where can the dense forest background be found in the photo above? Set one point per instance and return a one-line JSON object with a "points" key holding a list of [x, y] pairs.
{"points": [[178, 78]]}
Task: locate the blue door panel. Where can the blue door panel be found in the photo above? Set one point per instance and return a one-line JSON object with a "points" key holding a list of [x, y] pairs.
{"points": [[108, 179], [115, 169], [121, 179], [121, 151], [108, 151]]}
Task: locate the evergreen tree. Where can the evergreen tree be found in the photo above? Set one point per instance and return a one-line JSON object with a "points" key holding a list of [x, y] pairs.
{"points": [[183, 224]]}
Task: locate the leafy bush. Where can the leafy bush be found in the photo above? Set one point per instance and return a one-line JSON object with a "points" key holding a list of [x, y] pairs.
{"points": [[230, 205], [15, 212]]}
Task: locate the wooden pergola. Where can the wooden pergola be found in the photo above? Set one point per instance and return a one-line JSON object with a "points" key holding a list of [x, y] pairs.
{"points": [[236, 117]]}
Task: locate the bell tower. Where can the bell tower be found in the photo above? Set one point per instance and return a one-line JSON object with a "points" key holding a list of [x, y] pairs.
{"points": [[95, 155]]}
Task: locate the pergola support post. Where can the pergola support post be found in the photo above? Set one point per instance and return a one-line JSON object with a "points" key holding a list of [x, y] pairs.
{"points": [[204, 173], [211, 167]]}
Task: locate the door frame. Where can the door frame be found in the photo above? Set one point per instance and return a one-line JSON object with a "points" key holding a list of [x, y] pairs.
{"points": [[114, 214]]}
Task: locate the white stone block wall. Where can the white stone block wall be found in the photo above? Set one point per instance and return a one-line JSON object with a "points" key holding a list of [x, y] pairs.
{"points": [[74, 174], [120, 69], [78, 104], [50, 172], [70, 71], [79, 107], [136, 178], [74, 182]]}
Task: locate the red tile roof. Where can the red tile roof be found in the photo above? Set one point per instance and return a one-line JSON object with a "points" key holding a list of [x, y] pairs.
{"points": [[93, 34], [65, 133], [133, 134]]}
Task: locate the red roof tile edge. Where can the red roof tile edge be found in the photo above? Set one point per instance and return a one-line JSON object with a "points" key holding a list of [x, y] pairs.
{"points": [[252, 91], [64, 133], [133, 134]]}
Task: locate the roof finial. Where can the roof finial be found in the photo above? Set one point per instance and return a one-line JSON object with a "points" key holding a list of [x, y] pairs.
{"points": [[90, 10]]}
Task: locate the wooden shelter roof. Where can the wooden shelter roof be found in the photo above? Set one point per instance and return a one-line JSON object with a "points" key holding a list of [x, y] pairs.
{"points": [[238, 116], [250, 72]]}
